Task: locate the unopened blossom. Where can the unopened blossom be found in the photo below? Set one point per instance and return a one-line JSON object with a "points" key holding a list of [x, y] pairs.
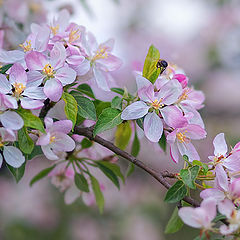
{"points": [[100, 60], [200, 217], [180, 141], [21, 89], [222, 160], [12, 155], [56, 139], [228, 209], [52, 71], [8, 118]]}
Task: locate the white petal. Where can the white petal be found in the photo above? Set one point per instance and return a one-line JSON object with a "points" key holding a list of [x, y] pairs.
{"points": [[13, 156]]}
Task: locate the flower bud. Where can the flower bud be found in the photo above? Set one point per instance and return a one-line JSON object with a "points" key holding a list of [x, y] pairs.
{"points": [[183, 79]]}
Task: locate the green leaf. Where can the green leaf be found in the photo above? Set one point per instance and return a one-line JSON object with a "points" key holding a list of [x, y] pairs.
{"points": [[219, 217], [116, 103], [174, 224], [4, 68], [70, 107], [204, 166], [189, 176], [110, 174], [118, 90], [86, 108], [176, 192], [100, 106], [163, 143], [98, 193], [123, 135], [42, 174], [114, 167], [81, 182], [139, 122], [135, 145], [26, 144], [37, 150], [86, 89], [150, 70], [86, 143], [17, 172], [186, 159], [30, 120], [109, 118]]}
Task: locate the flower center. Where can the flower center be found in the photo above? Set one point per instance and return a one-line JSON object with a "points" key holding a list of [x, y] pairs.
{"points": [[52, 139], [184, 95], [182, 137], [74, 36], [156, 104], [100, 54], [27, 47], [48, 70], [54, 30], [18, 89]]}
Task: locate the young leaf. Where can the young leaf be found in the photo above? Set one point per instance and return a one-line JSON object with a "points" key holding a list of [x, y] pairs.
{"points": [[30, 120], [120, 91], [163, 143], [109, 118], [114, 167], [150, 70], [42, 174], [86, 143], [123, 135], [17, 172], [110, 174], [86, 89], [100, 106], [4, 68], [26, 144], [174, 224], [116, 103], [135, 145], [176, 193], [37, 150], [70, 108], [189, 176], [98, 193], [86, 108], [139, 122], [81, 182]]}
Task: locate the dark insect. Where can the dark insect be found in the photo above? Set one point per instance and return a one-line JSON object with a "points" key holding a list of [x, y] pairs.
{"points": [[162, 64]]}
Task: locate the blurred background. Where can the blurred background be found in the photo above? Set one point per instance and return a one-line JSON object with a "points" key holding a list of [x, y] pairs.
{"points": [[202, 37]]}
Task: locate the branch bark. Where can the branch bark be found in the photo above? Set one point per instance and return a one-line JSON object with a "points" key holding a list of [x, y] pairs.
{"points": [[160, 177]]}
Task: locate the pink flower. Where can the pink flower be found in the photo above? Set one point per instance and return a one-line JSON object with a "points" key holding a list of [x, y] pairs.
{"points": [[54, 71], [180, 141], [12, 155], [182, 78], [158, 103], [100, 59], [21, 89], [56, 139], [200, 217], [222, 159]]}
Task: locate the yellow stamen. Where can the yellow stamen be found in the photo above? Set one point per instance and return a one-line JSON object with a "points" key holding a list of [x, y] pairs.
{"points": [[100, 54], [52, 139], [54, 30], [184, 95], [74, 36], [182, 137], [157, 104], [27, 47], [48, 70], [18, 89]]}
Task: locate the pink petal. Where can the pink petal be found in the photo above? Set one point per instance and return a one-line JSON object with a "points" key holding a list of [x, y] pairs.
{"points": [[142, 82], [35, 78], [34, 93], [17, 74], [195, 131], [43, 140], [63, 142], [153, 127], [135, 110], [35, 60], [53, 89], [5, 86], [232, 163], [189, 150], [65, 75], [110, 63], [212, 192], [83, 68], [75, 59], [64, 126], [11, 120], [226, 208], [174, 153], [209, 205], [101, 79], [48, 152], [221, 180], [147, 94], [28, 103], [220, 146], [58, 55], [189, 217], [13, 156]]}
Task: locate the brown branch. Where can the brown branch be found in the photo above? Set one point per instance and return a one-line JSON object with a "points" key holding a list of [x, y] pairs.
{"points": [[47, 106], [160, 177]]}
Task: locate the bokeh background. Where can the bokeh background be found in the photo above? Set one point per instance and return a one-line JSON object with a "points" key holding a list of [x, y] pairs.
{"points": [[202, 37]]}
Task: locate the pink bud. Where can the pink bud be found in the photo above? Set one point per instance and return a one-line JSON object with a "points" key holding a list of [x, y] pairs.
{"points": [[234, 188], [183, 79]]}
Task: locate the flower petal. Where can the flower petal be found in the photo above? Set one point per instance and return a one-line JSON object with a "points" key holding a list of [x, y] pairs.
{"points": [[17, 74], [28, 103], [220, 146], [5, 86], [11, 120], [221, 180], [101, 79], [13, 156], [64, 126], [174, 153], [189, 150], [48, 152], [53, 89], [189, 217], [35, 60], [65, 75]]}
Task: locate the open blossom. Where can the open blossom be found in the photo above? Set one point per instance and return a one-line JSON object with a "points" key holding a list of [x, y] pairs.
{"points": [[20, 89], [159, 104], [100, 60], [180, 141], [200, 217], [9, 119], [53, 71], [56, 139], [228, 209], [223, 160], [12, 155]]}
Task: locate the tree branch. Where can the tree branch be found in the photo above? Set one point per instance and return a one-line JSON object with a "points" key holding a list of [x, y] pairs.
{"points": [[160, 177]]}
